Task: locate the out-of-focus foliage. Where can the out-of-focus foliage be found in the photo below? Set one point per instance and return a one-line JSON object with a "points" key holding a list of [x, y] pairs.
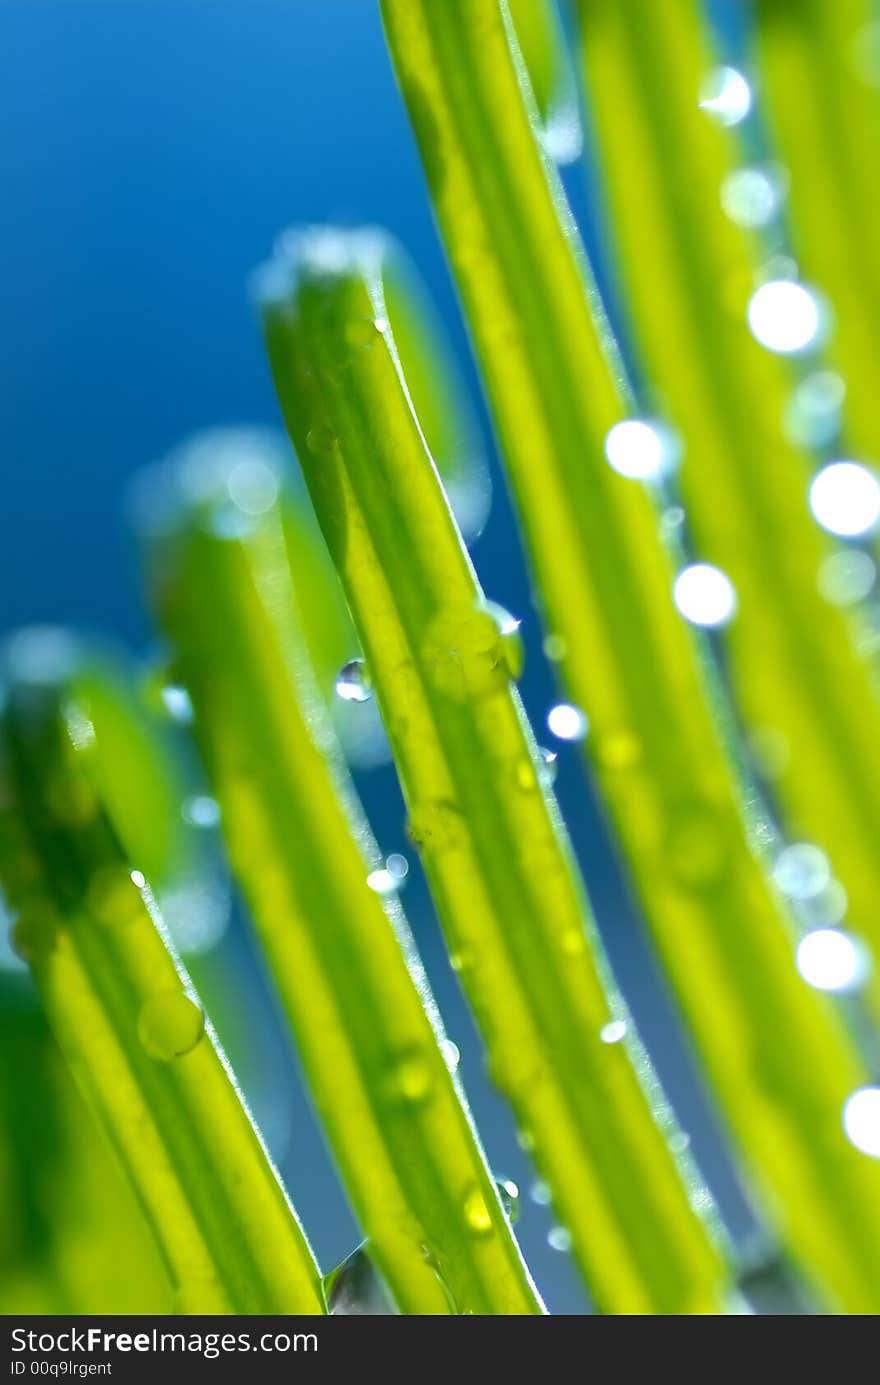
{"points": [[701, 552], [228, 574]]}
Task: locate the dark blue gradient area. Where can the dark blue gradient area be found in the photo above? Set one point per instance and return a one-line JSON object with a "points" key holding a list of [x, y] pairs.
{"points": [[150, 153]]}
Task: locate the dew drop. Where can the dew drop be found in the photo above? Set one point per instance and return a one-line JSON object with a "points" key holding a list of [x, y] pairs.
{"points": [[540, 1193], [170, 1024], [824, 909], [138, 879], [397, 866], [784, 316], [562, 136], [640, 450], [512, 650], [567, 722], [671, 520], [321, 439], [555, 648], [549, 765], [382, 881], [253, 487], [361, 333], [525, 1139], [845, 499], [462, 960], [704, 595], [356, 1288], [812, 416], [451, 1054], [831, 960], [177, 703], [559, 1238], [752, 197], [846, 578], [201, 810], [613, 1032], [353, 682], [861, 1120], [529, 774], [508, 1192], [42, 654], [801, 870], [477, 1214], [726, 96]]}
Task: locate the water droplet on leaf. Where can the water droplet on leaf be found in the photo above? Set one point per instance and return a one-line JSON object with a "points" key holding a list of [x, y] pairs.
{"points": [[846, 578], [567, 723], [177, 703], [356, 1288], [613, 1032], [353, 682], [201, 811], [508, 1192], [321, 440], [802, 871], [170, 1025]]}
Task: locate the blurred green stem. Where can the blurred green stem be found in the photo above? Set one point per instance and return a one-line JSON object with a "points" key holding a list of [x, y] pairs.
{"points": [[128, 1023], [780, 1061], [341, 957]]}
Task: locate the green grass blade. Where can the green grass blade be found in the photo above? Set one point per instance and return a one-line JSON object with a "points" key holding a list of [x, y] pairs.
{"points": [[341, 957], [489, 833], [793, 658], [780, 1062], [72, 1238], [124, 1013], [819, 73]]}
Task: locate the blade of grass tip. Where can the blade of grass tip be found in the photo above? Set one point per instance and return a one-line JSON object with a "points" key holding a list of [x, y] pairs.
{"points": [[780, 1061], [818, 65], [121, 1006], [517, 922], [799, 677], [322, 901]]}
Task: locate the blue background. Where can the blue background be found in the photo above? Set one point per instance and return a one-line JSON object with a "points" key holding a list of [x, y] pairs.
{"points": [[150, 154]]}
